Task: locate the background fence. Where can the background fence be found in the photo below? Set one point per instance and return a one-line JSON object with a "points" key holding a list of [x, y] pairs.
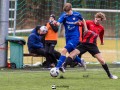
{"points": [[30, 13]]}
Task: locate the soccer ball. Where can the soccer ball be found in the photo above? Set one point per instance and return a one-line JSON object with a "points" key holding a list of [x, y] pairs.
{"points": [[44, 29], [54, 72]]}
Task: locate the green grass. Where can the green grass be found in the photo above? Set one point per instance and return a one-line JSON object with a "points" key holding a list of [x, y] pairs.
{"points": [[74, 79]]}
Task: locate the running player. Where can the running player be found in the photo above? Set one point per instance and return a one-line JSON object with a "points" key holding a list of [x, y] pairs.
{"points": [[69, 19], [93, 25], [89, 44]]}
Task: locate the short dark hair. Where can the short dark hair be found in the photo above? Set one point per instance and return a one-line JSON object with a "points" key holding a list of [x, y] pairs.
{"points": [[37, 27], [52, 15], [67, 7]]}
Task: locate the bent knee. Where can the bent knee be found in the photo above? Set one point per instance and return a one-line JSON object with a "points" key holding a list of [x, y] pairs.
{"points": [[64, 51], [102, 61], [74, 53]]}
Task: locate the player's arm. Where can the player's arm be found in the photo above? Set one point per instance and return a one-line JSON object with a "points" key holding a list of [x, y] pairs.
{"points": [[60, 20], [101, 37], [54, 27], [85, 26], [56, 23]]}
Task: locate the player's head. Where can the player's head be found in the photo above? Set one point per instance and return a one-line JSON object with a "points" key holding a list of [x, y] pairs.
{"points": [[39, 31], [52, 17], [67, 8], [99, 17], [37, 27]]}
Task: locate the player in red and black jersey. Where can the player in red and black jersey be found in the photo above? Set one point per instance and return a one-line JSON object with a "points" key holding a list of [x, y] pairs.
{"points": [[95, 26], [89, 45]]}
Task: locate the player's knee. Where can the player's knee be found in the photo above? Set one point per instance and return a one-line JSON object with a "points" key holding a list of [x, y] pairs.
{"points": [[102, 61], [64, 51], [72, 55]]}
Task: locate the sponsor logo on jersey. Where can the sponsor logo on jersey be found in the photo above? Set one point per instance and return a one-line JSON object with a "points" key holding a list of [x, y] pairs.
{"points": [[71, 22], [73, 18], [70, 28]]}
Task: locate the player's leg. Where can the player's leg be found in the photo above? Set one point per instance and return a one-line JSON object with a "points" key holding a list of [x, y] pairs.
{"points": [[76, 59], [94, 51], [62, 58], [105, 66], [74, 44], [63, 54], [51, 52], [74, 62], [57, 54], [42, 52], [102, 62], [80, 49], [73, 54]]}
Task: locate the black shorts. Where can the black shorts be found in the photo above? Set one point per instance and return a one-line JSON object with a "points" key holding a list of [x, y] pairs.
{"points": [[91, 48]]}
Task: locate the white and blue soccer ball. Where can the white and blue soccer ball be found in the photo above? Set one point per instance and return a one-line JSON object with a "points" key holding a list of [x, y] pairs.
{"points": [[44, 29], [54, 72]]}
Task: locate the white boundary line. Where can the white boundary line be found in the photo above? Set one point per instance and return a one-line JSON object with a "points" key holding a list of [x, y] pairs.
{"points": [[20, 31], [95, 10]]}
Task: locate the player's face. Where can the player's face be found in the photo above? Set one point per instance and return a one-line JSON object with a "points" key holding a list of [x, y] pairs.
{"points": [[51, 19], [69, 12], [98, 21], [40, 32]]}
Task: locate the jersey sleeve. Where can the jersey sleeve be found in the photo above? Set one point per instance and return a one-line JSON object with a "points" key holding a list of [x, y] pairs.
{"points": [[80, 17], [61, 18], [82, 25]]}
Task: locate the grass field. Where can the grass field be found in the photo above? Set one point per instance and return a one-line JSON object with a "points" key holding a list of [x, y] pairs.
{"points": [[74, 79]]}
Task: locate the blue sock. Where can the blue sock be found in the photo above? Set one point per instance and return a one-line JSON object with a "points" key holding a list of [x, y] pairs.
{"points": [[77, 59], [61, 61]]}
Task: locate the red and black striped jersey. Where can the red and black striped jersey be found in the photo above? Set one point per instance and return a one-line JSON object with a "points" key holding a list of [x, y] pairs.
{"points": [[98, 29], [90, 37]]}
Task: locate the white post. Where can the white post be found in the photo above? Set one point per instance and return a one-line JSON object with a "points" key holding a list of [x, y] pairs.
{"points": [[4, 23], [15, 11], [65, 1]]}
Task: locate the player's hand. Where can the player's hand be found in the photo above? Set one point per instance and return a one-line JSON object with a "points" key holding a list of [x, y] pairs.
{"points": [[77, 23], [55, 23]]}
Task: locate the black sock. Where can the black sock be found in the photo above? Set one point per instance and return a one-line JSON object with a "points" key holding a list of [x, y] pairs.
{"points": [[106, 69], [68, 61]]}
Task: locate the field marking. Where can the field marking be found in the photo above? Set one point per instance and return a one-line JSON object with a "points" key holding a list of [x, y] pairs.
{"points": [[68, 69]]}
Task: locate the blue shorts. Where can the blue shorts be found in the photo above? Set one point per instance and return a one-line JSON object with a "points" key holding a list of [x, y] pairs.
{"points": [[71, 43]]}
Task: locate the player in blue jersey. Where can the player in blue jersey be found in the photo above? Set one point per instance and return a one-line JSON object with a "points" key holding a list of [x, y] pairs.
{"points": [[69, 19]]}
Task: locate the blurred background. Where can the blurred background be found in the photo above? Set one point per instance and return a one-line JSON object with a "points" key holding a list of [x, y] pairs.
{"points": [[24, 15]]}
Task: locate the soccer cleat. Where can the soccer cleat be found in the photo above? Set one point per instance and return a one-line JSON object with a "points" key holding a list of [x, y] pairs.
{"points": [[83, 64], [62, 69], [113, 77]]}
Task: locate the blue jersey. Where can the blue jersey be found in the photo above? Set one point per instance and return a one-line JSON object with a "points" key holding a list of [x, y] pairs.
{"points": [[71, 29]]}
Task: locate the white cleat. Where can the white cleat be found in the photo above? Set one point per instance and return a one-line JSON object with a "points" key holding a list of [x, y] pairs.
{"points": [[83, 63], [62, 69], [113, 77]]}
